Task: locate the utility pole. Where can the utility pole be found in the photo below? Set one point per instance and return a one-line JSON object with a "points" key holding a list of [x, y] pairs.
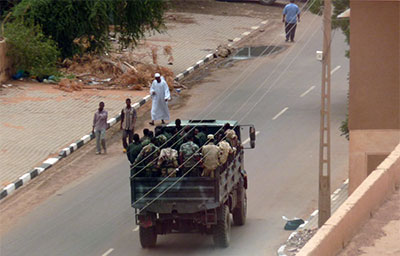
{"points": [[324, 198]]}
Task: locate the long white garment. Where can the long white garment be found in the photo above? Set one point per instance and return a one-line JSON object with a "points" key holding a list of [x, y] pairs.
{"points": [[159, 109]]}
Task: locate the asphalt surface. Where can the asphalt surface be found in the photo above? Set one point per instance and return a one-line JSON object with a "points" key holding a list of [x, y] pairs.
{"points": [[94, 217]]}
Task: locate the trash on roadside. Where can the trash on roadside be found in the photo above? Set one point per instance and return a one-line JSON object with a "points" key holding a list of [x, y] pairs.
{"points": [[49, 81], [292, 224], [115, 72], [68, 85], [223, 51], [20, 74]]}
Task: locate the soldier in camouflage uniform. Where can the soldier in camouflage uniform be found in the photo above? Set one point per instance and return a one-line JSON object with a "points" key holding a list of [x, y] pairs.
{"points": [[147, 158], [200, 136], [189, 157], [168, 162], [145, 140], [161, 138]]}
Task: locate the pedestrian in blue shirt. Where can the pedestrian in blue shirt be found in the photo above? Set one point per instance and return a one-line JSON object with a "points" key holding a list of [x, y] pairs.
{"points": [[291, 15]]}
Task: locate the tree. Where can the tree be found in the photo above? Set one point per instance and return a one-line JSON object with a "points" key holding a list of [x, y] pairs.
{"points": [[31, 51], [339, 6], [70, 22]]}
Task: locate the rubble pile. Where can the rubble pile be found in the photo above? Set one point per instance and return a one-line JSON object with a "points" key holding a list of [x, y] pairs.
{"points": [[298, 240], [224, 51], [111, 72], [68, 85]]}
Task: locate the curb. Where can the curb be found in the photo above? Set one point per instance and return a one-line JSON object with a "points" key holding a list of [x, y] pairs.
{"points": [[334, 196], [25, 178]]}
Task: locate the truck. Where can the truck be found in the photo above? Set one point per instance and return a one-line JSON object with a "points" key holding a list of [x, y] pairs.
{"points": [[182, 204]]}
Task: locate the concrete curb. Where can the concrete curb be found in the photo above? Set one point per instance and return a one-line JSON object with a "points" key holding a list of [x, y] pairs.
{"points": [[334, 196], [340, 228], [25, 178]]}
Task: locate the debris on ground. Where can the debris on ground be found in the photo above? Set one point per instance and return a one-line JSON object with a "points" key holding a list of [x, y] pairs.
{"points": [[69, 85], [224, 51], [292, 224], [113, 72], [297, 241]]}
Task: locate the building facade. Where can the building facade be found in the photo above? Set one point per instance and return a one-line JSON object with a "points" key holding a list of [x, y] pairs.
{"points": [[374, 96]]}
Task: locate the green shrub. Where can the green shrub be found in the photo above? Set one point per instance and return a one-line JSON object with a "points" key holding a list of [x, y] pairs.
{"points": [[69, 22], [30, 50]]}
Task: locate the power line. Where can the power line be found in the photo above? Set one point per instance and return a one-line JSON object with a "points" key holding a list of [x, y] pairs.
{"points": [[226, 96]]}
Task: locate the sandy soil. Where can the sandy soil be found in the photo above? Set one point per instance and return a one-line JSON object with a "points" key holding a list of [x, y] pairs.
{"points": [[380, 236], [232, 8]]}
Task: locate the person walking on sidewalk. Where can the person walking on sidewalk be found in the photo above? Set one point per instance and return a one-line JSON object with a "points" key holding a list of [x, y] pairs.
{"points": [[160, 95], [128, 121], [99, 128], [291, 15]]}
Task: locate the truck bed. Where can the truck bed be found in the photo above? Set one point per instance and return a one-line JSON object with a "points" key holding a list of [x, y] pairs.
{"points": [[188, 195]]}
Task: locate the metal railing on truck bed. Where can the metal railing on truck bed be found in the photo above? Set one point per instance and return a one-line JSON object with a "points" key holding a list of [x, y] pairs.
{"points": [[188, 195]]}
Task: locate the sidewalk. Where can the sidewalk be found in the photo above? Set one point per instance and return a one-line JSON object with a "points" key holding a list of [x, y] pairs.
{"points": [[192, 37], [38, 121]]}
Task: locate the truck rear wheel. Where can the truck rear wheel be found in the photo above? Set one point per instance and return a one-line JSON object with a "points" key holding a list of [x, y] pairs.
{"points": [[222, 230], [148, 237], [240, 212]]}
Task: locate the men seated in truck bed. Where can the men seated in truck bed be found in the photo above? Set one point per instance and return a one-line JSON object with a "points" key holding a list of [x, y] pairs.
{"points": [[134, 148], [147, 158], [200, 135], [210, 153], [189, 157], [168, 162], [161, 138], [147, 135], [225, 149]]}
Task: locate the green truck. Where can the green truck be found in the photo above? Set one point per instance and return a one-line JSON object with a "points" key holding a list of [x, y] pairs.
{"points": [[194, 204]]}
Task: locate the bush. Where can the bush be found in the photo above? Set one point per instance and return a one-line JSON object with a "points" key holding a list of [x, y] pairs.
{"points": [[73, 24], [30, 50]]}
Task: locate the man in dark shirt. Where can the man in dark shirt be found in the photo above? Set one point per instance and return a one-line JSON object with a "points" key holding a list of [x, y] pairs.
{"points": [[134, 148]]}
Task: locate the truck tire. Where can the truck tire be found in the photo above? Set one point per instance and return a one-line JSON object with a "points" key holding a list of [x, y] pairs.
{"points": [[148, 237], [267, 2], [240, 212], [222, 231]]}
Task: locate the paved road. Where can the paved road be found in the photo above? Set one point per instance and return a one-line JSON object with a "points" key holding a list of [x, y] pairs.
{"points": [[94, 216]]}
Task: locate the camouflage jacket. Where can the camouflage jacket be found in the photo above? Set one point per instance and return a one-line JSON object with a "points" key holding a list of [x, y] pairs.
{"points": [[168, 158], [188, 149], [147, 155], [145, 141], [161, 139]]}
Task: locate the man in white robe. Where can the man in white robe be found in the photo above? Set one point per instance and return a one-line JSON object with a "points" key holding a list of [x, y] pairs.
{"points": [[160, 95]]}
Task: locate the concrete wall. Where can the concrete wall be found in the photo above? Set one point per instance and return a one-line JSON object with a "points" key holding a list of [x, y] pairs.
{"points": [[337, 232], [5, 63], [365, 147], [374, 97]]}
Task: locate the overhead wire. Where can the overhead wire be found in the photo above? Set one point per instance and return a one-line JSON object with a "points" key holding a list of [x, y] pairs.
{"points": [[180, 178], [226, 95]]}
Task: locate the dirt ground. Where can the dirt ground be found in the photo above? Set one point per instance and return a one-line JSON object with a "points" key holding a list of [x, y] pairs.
{"points": [[232, 8], [380, 236]]}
